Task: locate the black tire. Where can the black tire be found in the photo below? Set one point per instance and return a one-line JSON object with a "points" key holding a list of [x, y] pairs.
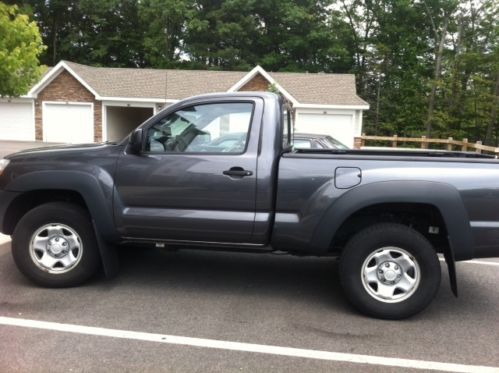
{"points": [[362, 293], [65, 214]]}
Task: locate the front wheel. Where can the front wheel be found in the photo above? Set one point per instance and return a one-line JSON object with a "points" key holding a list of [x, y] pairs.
{"points": [[390, 271], [54, 245]]}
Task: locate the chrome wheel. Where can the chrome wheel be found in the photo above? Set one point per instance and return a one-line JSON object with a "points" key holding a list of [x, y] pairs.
{"points": [[390, 274], [56, 248]]}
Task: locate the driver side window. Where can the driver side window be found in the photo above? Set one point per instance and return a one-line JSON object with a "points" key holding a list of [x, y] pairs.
{"points": [[211, 128]]}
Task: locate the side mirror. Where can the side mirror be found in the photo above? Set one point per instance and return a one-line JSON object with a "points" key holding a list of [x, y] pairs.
{"points": [[135, 143]]}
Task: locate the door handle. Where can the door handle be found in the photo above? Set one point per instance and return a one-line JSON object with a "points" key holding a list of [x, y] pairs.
{"points": [[237, 172]]}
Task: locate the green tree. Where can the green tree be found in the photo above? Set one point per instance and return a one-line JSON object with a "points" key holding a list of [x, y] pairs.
{"points": [[223, 34], [280, 35], [164, 23], [110, 33], [425, 66], [55, 19], [20, 47], [466, 100], [386, 59], [105, 33], [434, 73]]}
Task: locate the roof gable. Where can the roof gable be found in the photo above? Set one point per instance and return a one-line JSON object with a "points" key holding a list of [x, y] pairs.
{"points": [[259, 70], [54, 73]]}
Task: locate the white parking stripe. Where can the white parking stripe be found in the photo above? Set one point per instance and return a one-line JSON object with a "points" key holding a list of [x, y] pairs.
{"points": [[482, 262], [4, 239], [247, 347]]}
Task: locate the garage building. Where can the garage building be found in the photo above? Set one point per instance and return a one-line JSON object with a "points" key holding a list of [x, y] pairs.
{"points": [[75, 103]]}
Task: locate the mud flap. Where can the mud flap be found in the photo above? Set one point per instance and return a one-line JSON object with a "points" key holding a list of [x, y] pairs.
{"points": [[451, 265], [108, 254]]}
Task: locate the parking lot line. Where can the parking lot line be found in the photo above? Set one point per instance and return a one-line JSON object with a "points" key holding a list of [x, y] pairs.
{"points": [[481, 262], [246, 347], [4, 239]]}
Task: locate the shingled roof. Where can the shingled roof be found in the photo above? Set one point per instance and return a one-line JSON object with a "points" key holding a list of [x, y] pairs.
{"points": [[323, 89], [170, 84]]}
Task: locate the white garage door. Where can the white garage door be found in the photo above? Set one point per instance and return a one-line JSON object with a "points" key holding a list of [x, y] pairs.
{"points": [[339, 126], [17, 121], [69, 123]]}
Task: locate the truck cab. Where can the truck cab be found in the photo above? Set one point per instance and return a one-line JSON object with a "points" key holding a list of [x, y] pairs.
{"points": [[204, 171]]}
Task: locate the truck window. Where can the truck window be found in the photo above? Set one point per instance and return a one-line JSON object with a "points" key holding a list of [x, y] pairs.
{"points": [[206, 128]]}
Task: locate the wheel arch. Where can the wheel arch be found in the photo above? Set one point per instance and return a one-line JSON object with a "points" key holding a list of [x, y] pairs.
{"points": [[84, 189], [29, 200], [442, 198], [419, 216]]}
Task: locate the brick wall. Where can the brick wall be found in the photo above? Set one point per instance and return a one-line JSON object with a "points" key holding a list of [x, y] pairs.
{"points": [[258, 83], [66, 88]]}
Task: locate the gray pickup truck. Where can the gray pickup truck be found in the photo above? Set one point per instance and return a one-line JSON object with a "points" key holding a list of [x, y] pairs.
{"points": [[220, 172]]}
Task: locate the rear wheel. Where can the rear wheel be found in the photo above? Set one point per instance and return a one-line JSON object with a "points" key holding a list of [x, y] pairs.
{"points": [[55, 246], [390, 271]]}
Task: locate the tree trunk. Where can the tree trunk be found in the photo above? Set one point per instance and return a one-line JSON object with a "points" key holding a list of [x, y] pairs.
{"points": [[378, 97], [456, 100], [436, 75], [358, 54], [493, 113], [54, 42]]}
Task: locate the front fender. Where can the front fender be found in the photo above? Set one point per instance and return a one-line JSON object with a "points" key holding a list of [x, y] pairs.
{"points": [[95, 187], [443, 196]]}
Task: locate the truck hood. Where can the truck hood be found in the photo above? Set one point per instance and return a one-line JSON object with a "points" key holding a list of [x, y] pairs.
{"points": [[59, 149]]}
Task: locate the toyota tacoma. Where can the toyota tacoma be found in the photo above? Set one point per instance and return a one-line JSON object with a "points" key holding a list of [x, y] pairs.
{"points": [[220, 172]]}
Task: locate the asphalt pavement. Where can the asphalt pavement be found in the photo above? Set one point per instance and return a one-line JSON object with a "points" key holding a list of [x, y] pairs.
{"points": [[267, 301], [271, 300]]}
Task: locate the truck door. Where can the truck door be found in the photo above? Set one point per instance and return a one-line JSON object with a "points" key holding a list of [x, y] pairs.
{"points": [[195, 179]]}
